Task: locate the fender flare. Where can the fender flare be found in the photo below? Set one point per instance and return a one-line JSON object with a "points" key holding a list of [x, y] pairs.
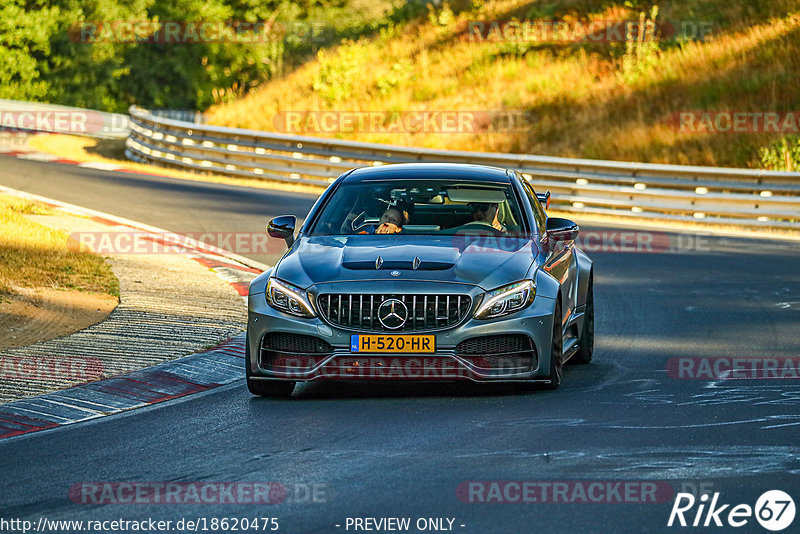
{"points": [[585, 272]]}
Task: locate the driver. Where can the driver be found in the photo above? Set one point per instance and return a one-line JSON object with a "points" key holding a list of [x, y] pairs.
{"points": [[486, 213]]}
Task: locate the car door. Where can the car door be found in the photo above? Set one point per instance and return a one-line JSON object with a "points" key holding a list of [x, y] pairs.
{"points": [[561, 262]]}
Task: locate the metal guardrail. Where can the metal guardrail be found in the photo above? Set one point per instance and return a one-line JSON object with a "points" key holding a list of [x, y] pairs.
{"points": [[766, 199], [185, 115]]}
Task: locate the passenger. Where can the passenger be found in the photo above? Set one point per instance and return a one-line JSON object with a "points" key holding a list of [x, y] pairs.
{"points": [[391, 221]]}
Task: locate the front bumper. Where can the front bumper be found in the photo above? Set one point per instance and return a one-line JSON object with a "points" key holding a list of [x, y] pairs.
{"points": [[447, 363]]}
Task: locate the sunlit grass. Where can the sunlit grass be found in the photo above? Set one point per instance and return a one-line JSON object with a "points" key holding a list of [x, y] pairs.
{"points": [[582, 103], [33, 255]]}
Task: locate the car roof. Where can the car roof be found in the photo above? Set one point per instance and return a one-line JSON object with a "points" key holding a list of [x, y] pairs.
{"points": [[445, 171]]}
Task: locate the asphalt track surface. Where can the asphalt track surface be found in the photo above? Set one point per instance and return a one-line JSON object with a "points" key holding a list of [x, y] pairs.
{"points": [[403, 450]]}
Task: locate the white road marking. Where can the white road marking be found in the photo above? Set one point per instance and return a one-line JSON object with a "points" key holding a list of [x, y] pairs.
{"points": [[100, 165]]}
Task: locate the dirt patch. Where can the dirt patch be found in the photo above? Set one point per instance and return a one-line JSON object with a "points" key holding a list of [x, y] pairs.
{"points": [[32, 315]]}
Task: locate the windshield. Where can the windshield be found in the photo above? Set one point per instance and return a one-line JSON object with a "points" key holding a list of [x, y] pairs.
{"points": [[421, 207]]}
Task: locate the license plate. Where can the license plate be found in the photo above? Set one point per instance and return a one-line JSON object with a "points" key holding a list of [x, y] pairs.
{"points": [[392, 343]]}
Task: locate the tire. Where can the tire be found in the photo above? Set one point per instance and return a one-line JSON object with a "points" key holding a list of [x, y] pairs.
{"points": [[586, 341], [556, 350], [264, 388]]}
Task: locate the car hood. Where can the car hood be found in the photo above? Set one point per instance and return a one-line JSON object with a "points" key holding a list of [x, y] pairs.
{"points": [[488, 262]]}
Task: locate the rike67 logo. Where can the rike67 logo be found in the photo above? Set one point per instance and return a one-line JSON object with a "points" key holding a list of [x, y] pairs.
{"points": [[774, 510]]}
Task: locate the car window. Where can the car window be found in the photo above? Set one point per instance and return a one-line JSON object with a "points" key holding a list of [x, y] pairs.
{"points": [[538, 211], [420, 206]]}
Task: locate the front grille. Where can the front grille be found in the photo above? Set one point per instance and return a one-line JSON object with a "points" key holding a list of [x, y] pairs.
{"points": [[291, 350], [508, 353], [425, 312]]}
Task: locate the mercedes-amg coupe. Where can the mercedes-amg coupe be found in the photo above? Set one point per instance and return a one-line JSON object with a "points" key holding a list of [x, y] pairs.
{"points": [[422, 272]]}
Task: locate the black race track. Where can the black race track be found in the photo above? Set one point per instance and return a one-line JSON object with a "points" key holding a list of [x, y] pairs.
{"points": [[403, 450]]}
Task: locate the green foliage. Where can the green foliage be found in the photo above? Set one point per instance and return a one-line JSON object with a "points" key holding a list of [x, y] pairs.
{"points": [[23, 44], [442, 18], [641, 48], [44, 56], [513, 48], [542, 11], [82, 72], [399, 73], [783, 155], [334, 81], [169, 75]]}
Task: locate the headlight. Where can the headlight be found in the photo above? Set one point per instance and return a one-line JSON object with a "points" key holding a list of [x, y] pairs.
{"points": [[288, 298], [505, 300]]}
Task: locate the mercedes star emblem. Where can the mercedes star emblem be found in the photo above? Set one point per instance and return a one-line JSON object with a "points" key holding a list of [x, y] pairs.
{"points": [[392, 314]]}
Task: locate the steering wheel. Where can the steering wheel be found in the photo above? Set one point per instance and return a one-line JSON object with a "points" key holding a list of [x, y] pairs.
{"points": [[478, 226], [361, 221]]}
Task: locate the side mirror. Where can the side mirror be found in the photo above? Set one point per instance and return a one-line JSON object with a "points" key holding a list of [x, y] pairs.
{"points": [[561, 229], [544, 199], [283, 228]]}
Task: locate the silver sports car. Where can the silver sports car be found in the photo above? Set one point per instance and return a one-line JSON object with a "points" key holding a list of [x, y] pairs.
{"points": [[422, 272]]}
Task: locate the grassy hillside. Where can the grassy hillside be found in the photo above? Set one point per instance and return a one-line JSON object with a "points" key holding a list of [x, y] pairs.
{"points": [[112, 53], [610, 100]]}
